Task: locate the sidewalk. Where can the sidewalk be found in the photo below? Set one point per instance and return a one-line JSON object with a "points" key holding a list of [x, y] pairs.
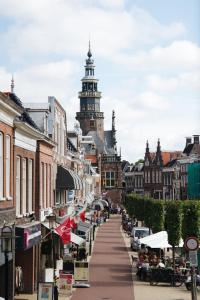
{"points": [[143, 290]]}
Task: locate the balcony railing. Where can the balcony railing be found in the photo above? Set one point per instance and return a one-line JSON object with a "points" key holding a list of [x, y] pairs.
{"points": [[89, 94]]}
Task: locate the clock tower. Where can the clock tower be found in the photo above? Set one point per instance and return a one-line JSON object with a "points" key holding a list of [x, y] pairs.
{"points": [[90, 117]]}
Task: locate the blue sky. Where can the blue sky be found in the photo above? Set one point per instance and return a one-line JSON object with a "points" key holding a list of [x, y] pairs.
{"points": [[147, 58]]}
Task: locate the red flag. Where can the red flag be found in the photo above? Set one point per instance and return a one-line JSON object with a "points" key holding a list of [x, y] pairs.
{"points": [[82, 216], [73, 224], [64, 231]]}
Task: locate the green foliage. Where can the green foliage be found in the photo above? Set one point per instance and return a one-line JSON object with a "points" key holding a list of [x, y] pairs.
{"points": [[134, 205], [173, 221], [158, 216], [179, 218], [191, 219]]}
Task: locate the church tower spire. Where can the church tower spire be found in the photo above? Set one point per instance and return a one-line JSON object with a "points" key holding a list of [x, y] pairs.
{"points": [[158, 158], [90, 117], [147, 158], [113, 128], [12, 85]]}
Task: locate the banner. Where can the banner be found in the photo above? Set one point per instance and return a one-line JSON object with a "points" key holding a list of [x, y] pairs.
{"points": [[64, 231]]}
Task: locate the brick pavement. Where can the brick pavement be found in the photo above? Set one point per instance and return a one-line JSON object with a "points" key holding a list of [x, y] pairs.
{"points": [[110, 268]]}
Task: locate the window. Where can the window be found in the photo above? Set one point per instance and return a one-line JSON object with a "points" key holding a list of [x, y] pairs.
{"points": [[1, 166], [18, 186], [110, 179], [45, 185], [24, 187], [149, 177], [8, 165], [30, 185], [153, 177], [92, 123]]}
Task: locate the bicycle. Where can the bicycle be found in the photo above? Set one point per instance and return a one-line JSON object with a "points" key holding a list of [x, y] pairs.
{"points": [[165, 276]]}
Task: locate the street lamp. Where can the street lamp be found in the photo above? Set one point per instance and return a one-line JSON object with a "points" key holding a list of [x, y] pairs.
{"points": [[6, 248], [52, 222]]}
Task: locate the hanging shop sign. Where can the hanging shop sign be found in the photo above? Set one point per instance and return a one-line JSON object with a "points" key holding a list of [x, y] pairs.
{"points": [[81, 271], [29, 235]]}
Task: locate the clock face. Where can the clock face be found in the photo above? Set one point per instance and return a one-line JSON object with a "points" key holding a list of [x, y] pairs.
{"points": [[191, 243]]}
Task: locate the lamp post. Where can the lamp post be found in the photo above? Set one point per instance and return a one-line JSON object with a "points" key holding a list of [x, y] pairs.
{"points": [[52, 220], [6, 248]]}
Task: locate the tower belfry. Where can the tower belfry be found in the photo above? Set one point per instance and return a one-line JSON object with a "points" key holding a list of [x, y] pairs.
{"points": [[90, 117]]}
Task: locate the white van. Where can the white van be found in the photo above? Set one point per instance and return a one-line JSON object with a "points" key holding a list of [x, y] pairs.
{"points": [[136, 234]]}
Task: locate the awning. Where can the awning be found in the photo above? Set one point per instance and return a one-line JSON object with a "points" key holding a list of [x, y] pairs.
{"points": [[97, 205], [84, 227], [68, 179], [89, 198], [105, 203], [157, 240], [76, 239]]}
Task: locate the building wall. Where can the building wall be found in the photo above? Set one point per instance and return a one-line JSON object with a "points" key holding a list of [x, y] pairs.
{"points": [[23, 153], [115, 192], [44, 190], [7, 202]]}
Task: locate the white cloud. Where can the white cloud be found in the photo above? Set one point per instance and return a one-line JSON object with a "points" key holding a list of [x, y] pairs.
{"points": [[181, 55], [63, 27], [151, 71]]}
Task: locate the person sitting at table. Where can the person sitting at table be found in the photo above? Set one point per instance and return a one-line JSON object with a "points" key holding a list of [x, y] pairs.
{"points": [[160, 264], [144, 270]]}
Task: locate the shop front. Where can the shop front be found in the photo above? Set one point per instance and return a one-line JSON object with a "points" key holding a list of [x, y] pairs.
{"points": [[27, 257]]}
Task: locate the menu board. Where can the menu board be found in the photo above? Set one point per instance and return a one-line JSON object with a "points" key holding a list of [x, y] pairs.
{"points": [[65, 283], [81, 271]]}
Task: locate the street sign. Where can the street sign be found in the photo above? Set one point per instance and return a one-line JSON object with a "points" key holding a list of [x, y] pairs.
{"points": [[193, 258], [191, 243]]}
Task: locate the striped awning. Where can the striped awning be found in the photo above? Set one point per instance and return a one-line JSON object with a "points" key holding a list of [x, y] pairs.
{"points": [[68, 179]]}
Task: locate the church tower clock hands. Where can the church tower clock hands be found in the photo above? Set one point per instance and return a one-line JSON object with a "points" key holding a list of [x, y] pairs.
{"points": [[90, 117]]}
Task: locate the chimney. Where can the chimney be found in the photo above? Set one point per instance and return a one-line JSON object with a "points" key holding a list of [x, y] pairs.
{"points": [[196, 139], [188, 141]]}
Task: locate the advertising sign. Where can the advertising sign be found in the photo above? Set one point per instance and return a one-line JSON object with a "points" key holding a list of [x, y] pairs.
{"points": [[45, 291], [65, 283], [29, 235], [193, 258], [81, 271]]}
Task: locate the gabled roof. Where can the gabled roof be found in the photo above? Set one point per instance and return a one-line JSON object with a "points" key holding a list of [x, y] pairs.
{"points": [[25, 117], [70, 146], [167, 156], [171, 163], [192, 149]]}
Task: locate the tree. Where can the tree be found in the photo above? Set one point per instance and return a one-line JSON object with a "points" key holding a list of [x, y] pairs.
{"points": [[191, 219], [173, 222], [158, 216]]}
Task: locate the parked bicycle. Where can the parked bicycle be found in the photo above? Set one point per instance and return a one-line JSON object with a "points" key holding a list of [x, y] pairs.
{"points": [[163, 275]]}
